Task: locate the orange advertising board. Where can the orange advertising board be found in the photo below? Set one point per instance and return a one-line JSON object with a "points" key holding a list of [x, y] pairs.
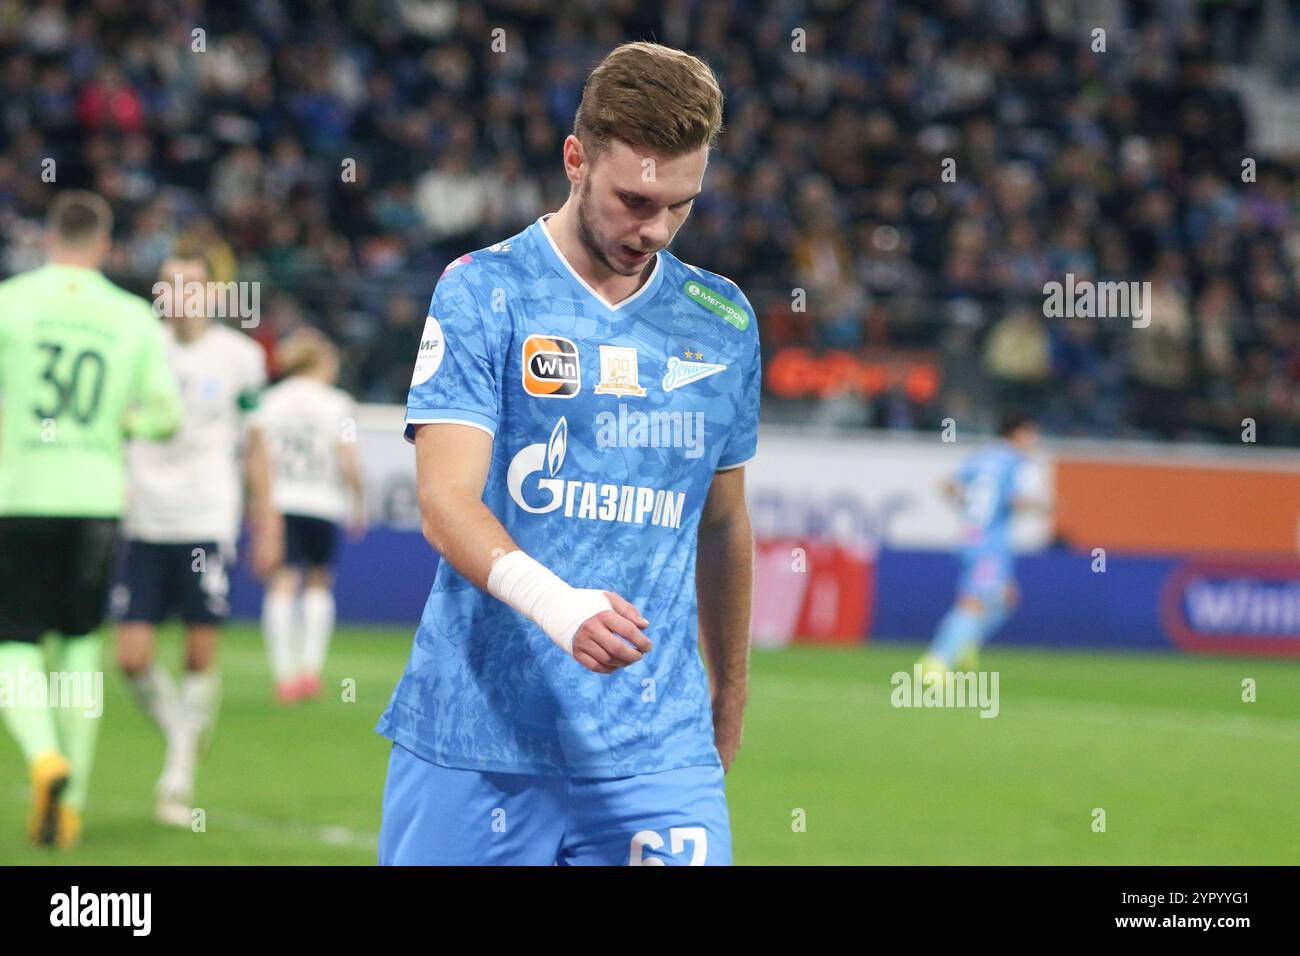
{"points": [[1155, 507]]}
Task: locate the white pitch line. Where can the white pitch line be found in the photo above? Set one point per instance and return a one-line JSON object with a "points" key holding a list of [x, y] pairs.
{"points": [[1163, 719], [327, 834], [324, 834]]}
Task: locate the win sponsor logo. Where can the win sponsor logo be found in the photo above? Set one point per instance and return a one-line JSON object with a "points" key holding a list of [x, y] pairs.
{"points": [[1231, 607], [1244, 607], [550, 367]]}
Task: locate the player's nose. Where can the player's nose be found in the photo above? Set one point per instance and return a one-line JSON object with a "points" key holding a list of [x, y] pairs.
{"points": [[654, 234]]}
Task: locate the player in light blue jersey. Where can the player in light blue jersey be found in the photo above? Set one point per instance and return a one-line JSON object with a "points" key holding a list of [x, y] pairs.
{"points": [[582, 407], [992, 485]]}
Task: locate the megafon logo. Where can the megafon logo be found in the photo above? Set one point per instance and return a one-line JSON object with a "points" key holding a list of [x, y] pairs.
{"points": [[1234, 607], [589, 500]]}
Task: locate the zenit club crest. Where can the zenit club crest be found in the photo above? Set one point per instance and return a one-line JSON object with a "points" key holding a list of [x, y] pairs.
{"points": [[551, 367], [683, 372]]}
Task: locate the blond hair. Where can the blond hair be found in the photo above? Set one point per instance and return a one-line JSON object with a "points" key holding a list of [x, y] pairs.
{"points": [[304, 350], [650, 96], [188, 249]]}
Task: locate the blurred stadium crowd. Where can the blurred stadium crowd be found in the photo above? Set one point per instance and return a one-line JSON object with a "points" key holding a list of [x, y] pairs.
{"points": [[921, 299]]}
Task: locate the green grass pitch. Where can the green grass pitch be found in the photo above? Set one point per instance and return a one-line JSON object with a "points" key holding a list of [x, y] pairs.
{"points": [[1185, 771]]}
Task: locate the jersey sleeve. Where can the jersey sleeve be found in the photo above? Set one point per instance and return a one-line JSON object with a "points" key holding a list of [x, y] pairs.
{"points": [[253, 381], [1029, 483], [460, 362], [154, 405], [742, 442], [347, 407], [345, 429], [966, 471]]}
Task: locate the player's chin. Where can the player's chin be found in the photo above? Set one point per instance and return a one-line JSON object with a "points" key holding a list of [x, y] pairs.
{"points": [[630, 260]]}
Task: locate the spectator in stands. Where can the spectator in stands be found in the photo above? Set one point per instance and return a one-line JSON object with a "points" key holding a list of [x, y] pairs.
{"points": [[831, 178]]}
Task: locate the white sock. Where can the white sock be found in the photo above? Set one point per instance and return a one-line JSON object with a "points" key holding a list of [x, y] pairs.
{"points": [[317, 628], [199, 698], [155, 692], [177, 778], [277, 628]]}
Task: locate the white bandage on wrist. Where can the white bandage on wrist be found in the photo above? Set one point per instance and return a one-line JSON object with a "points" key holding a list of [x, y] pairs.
{"points": [[540, 595]]}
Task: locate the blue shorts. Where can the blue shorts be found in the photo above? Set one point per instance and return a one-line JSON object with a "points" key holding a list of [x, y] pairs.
{"points": [[985, 575], [441, 816]]}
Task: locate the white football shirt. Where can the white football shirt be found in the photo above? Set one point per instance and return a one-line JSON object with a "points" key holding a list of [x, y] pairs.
{"points": [[188, 488], [304, 421]]}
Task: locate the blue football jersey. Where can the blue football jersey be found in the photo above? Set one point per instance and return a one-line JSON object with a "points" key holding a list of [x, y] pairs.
{"points": [[608, 425], [991, 479]]}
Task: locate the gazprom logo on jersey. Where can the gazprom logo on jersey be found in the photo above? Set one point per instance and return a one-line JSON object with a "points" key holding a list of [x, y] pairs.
{"points": [[1234, 607], [533, 482]]}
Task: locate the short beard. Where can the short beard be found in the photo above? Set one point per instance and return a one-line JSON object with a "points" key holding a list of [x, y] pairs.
{"points": [[587, 236]]}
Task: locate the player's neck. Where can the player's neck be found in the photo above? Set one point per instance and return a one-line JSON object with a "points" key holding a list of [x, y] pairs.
{"points": [[188, 329], [609, 285], [76, 258]]}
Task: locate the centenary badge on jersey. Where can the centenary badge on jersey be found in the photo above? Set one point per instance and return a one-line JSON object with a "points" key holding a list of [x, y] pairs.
{"points": [[551, 367], [432, 347], [619, 373], [684, 372]]}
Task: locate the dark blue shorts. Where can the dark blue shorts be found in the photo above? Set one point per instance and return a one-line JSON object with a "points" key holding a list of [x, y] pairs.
{"points": [[309, 542], [160, 580], [441, 816]]}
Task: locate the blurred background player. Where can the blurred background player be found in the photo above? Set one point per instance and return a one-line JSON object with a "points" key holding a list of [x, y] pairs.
{"points": [[81, 364], [310, 428], [182, 520], [993, 485]]}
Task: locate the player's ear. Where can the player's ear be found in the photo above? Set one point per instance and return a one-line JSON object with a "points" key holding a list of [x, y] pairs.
{"points": [[575, 160]]}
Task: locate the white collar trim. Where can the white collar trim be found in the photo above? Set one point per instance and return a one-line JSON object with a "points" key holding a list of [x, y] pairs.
{"points": [[583, 282]]}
